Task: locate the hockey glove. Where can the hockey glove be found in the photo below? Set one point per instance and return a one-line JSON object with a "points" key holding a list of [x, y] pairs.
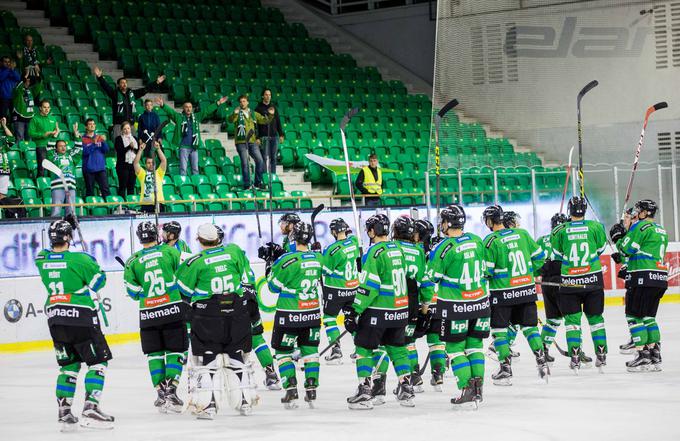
{"points": [[423, 322], [616, 257], [623, 272], [316, 246], [71, 219], [617, 231], [351, 321]]}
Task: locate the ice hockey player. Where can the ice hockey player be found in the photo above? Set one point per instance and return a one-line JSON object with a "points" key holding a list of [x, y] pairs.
{"points": [[220, 328], [272, 251], [150, 280], [340, 282], [420, 290], [512, 259], [379, 314], [578, 244], [171, 234], [423, 235], [628, 219], [457, 265], [644, 244], [550, 272], [70, 279], [296, 279], [511, 219]]}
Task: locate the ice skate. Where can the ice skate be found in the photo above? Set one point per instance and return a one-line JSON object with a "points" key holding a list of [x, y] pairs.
{"points": [[289, 400], [491, 352], [310, 392], [548, 358], [335, 357], [641, 363], [586, 362], [353, 356], [94, 418], [362, 400], [160, 398], [417, 381], [542, 365], [514, 354], [478, 383], [465, 399], [600, 359], [246, 408], [67, 420], [575, 361], [378, 391], [655, 357], [627, 348], [404, 392], [437, 380], [209, 412], [172, 402], [271, 379], [504, 375]]}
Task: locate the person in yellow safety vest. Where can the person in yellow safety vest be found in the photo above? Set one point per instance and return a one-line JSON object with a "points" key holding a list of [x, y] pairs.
{"points": [[369, 182]]}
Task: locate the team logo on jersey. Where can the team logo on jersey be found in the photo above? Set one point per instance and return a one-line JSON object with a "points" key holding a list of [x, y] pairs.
{"points": [[581, 270], [155, 301], [472, 294], [60, 298], [13, 310], [521, 280]]}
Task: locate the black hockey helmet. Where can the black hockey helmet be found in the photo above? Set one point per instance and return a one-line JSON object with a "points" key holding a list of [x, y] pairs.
{"points": [[289, 218], [338, 226], [172, 227], [511, 219], [558, 219], [60, 232], [454, 216], [379, 223], [493, 213], [302, 233], [403, 228], [220, 233], [424, 228], [146, 232], [647, 205], [577, 206]]}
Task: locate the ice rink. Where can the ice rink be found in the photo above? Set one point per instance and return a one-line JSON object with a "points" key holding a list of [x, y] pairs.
{"points": [[616, 405]]}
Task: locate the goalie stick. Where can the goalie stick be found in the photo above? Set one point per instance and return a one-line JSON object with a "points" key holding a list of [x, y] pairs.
{"points": [[437, 122]]}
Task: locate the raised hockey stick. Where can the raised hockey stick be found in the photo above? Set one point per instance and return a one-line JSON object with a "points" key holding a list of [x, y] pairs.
{"points": [[343, 123], [566, 180], [588, 87], [315, 213], [629, 190], [437, 122]]}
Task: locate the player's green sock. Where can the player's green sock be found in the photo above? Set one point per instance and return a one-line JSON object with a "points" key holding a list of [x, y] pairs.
{"points": [[330, 323], [512, 334], [286, 367], [437, 351], [533, 337], [399, 357], [638, 331], [500, 341], [412, 355], [94, 381], [653, 333], [460, 365], [381, 360], [156, 362], [310, 358], [474, 350], [549, 330], [174, 363], [597, 332], [572, 324], [364, 362], [66, 381], [262, 351]]}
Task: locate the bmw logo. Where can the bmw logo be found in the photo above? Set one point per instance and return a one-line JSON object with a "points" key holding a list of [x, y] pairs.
{"points": [[13, 311]]}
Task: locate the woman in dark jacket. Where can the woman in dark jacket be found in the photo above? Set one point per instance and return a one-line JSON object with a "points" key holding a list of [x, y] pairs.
{"points": [[126, 150]]}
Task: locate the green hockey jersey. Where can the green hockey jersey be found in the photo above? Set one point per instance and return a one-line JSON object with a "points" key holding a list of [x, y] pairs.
{"points": [[150, 279], [383, 295], [552, 265], [420, 286], [578, 245], [457, 265], [296, 279], [512, 259], [183, 248], [215, 271], [340, 273], [644, 247], [70, 278]]}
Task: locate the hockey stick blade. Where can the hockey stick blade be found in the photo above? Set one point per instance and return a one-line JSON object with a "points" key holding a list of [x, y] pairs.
{"points": [[120, 260], [661, 105], [588, 87], [345, 119], [315, 213], [450, 105]]}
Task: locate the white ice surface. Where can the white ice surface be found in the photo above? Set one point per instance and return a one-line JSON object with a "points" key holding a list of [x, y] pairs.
{"points": [[616, 405]]}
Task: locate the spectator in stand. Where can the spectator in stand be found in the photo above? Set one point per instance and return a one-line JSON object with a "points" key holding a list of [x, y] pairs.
{"points": [[122, 99], [188, 131], [126, 149], [6, 142], [146, 178], [147, 124], [8, 79], [94, 159], [29, 59], [24, 98], [271, 134], [369, 182], [43, 129], [64, 190], [244, 121]]}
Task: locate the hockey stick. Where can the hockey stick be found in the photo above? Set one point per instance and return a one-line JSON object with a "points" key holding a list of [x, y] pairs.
{"points": [[345, 332], [566, 180], [120, 260], [421, 371], [343, 123], [315, 213], [568, 285], [629, 190], [588, 87], [437, 122], [253, 187]]}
